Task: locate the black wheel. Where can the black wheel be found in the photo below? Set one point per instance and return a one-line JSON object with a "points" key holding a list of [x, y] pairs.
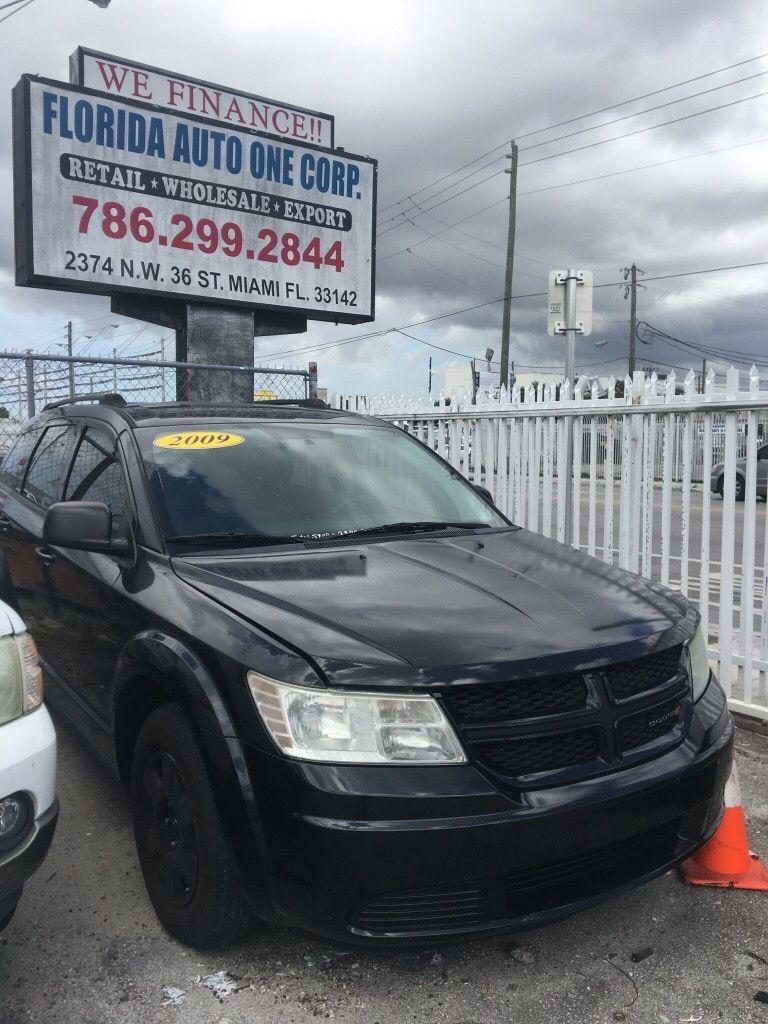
{"points": [[188, 867], [740, 488]]}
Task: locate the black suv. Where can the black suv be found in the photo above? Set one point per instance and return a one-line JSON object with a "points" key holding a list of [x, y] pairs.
{"points": [[343, 691]]}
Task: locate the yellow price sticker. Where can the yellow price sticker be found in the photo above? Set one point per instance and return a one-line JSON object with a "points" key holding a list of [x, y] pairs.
{"points": [[198, 440]]}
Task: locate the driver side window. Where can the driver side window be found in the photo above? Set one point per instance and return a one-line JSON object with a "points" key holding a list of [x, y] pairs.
{"points": [[98, 476]]}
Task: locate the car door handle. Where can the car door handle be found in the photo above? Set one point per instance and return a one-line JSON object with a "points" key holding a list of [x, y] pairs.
{"points": [[45, 556]]}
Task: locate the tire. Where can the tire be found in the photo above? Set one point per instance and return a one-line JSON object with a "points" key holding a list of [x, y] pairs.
{"points": [[740, 487], [188, 866]]}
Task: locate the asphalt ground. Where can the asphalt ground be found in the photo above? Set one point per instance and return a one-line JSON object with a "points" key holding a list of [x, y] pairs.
{"points": [[85, 947]]}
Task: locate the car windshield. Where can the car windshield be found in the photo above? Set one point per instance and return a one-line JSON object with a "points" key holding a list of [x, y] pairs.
{"points": [[284, 481]]}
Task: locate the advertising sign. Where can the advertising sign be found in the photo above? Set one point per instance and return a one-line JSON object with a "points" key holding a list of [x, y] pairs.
{"points": [[185, 95], [114, 195]]}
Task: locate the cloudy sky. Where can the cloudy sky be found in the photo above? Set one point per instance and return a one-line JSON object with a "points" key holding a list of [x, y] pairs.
{"points": [[434, 89]]}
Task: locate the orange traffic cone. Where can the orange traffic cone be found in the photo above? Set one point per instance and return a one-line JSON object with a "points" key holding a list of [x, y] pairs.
{"points": [[725, 859]]}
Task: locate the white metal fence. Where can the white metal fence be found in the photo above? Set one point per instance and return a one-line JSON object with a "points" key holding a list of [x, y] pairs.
{"points": [[641, 499]]}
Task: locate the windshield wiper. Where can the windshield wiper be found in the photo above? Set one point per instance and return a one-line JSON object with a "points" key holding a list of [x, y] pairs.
{"points": [[233, 538], [412, 527], [229, 539]]}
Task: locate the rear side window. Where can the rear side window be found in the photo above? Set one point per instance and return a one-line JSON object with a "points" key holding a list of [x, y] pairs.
{"points": [[97, 475], [16, 461], [45, 480]]}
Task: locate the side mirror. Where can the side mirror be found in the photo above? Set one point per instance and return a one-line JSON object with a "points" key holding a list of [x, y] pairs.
{"points": [[82, 526], [484, 493]]}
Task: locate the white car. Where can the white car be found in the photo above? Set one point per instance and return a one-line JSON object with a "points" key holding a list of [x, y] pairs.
{"points": [[28, 804]]}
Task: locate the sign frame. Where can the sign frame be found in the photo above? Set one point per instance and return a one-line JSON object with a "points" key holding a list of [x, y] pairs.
{"points": [[23, 211], [556, 294], [77, 77]]}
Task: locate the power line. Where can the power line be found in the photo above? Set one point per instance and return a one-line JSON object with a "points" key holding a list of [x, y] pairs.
{"points": [[647, 110], [725, 298], [572, 120], [445, 273], [549, 188], [324, 346], [642, 167], [718, 351], [564, 184], [429, 344], [400, 217], [648, 128], [19, 7], [694, 273]]}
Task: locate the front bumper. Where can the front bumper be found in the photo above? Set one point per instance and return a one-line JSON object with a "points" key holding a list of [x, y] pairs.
{"points": [[415, 855], [18, 864], [28, 766], [28, 759]]}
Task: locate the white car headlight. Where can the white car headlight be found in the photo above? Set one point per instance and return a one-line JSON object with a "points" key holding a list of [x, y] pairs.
{"points": [[328, 725], [21, 678], [697, 651]]}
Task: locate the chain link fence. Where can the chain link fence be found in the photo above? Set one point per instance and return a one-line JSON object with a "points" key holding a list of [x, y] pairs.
{"points": [[29, 382]]}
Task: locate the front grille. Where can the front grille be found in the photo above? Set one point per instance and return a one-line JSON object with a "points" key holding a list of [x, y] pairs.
{"points": [[424, 910], [547, 753], [545, 887], [571, 721], [645, 726], [525, 698], [579, 877], [630, 678]]}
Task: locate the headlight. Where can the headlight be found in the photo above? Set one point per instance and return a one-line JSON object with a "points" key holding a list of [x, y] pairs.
{"points": [[21, 678], [697, 650], [326, 725]]}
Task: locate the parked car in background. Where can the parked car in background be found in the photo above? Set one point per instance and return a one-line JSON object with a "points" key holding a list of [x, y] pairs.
{"points": [[343, 691], [28, 803], [717, 480]]}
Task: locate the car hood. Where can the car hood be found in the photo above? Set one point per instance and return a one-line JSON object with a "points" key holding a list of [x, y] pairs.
{"points": [[490, 605]]}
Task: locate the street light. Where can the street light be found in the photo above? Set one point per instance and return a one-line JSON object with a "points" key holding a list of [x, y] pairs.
{"points": [[106, 327]]}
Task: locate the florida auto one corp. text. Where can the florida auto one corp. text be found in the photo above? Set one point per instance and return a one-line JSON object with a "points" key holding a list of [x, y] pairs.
{"points": [[164, 202]]}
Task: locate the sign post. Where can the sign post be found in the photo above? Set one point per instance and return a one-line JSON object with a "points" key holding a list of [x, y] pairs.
{"points": [[168, 195], [570, 313]]}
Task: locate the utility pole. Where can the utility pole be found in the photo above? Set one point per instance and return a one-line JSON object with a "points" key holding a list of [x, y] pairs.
{"points": [[505, 326], [703, 375], [162, 371], [572, 278], [630, 291], [70, 365], [429, 384]]}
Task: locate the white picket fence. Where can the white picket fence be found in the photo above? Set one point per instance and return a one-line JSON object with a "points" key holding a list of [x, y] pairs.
{"points": [[641, 498]]}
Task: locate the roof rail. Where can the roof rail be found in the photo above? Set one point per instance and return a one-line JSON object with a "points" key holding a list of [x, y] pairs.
{"points": [[305, 403], [101, 398]]}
